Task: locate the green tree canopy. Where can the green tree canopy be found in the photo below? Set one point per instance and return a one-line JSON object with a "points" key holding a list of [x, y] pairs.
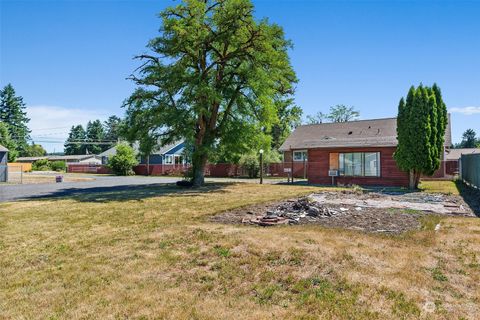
{"points": [[12, 112], [75, 143], [34, 150], [95, 138], [214, 74], [112, 128], [7, 142], [421, 124], [342, 113], [469, 139], [140, 127], [337, 113], [316, 118]]}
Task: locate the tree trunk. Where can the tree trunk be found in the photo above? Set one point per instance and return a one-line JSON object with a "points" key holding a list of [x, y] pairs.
{"points": [[414, 179], [411, 180], [198, 165]]}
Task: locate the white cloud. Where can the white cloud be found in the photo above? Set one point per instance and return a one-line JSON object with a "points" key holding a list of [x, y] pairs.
{"points": [[50, 124], [466, 110]]}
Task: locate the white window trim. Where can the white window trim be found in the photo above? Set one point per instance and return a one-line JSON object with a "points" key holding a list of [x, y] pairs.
{"points": [[300, 160], [169, 157]]}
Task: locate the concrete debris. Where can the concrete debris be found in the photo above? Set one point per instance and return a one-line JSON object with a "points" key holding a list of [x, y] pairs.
{"points": [[291, 212]]}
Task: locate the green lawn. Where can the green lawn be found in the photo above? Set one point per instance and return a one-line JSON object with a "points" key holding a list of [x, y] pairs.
{"points": [[151, 253], [446, 187]]}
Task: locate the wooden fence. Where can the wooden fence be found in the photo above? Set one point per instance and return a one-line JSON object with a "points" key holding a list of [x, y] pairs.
{"points": [[24, 165]]}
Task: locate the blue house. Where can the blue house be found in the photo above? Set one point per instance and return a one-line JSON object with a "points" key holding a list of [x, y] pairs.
{"points": [[3, 164], [169, 154]]}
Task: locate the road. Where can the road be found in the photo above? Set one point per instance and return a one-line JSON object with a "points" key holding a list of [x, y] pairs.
{"points": [[100, 184]]}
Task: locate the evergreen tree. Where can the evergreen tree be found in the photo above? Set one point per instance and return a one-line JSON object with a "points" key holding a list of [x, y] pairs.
{"points": [[7, 142], [112, 128], [12, 112], [95, 137], [469, 139], [421, 125], [75, 143]]}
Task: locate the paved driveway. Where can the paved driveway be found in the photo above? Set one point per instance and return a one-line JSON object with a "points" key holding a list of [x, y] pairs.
{"points": [[99, 184]]}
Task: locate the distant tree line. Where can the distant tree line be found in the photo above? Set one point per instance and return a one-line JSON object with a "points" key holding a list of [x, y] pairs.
{"points": [[95, 138], [337, 113], [469, 140]]}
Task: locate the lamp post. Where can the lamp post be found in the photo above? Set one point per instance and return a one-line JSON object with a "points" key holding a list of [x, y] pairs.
{"points": [[261, 166]]}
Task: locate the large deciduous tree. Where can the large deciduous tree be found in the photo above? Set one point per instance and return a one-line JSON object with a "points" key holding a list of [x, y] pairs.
{"points": [[35, 150], [421, 124], [213, 74], [12, 112], [342, 113]]}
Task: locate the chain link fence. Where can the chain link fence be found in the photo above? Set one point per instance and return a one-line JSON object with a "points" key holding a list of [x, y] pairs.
{"points": [[470, 169]]}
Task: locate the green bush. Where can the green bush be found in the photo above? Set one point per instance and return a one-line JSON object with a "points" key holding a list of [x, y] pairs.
{"points": [[58, 166], [123, 161], [251, 161], [41, 165]]}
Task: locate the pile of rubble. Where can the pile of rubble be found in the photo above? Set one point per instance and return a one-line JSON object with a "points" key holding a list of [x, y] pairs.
{"points": [[294, 211]]}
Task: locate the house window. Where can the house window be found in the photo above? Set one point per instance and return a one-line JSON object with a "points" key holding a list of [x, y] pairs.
{"points": [[168, 159], [299, 155], [359, 164]]}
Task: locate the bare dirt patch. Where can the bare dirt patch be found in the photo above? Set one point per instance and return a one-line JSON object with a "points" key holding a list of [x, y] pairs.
{"points": [[369, 212]]}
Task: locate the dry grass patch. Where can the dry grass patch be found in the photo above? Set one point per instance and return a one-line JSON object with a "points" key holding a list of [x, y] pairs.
{"points": [[157, 256]]}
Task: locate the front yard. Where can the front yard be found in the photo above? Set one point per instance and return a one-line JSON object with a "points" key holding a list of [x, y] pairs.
{"points": [[156, 253]]}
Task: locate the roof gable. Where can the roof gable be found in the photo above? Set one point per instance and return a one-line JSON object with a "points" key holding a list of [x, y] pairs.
{"points": [[3, 149]]}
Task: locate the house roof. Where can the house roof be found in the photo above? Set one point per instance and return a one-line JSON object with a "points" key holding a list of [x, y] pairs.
{"points": [[455, 154], [72, 157], [3, 149], [30, 159], [57, 158], [163, 150], [360, 133]]}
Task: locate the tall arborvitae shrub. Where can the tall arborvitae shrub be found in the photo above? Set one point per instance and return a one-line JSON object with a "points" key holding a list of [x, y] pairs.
{"points": [[421, 124]]}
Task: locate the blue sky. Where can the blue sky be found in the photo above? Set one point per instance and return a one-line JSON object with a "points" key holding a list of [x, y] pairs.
{"points": [[69, 59]]}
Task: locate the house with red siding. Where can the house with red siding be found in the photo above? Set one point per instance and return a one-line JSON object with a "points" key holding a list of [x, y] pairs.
{"points": [[355, 152]]}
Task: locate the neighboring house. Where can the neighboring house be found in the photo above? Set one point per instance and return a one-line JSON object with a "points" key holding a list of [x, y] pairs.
{"points": [[456, 154], [360, 152], [69, 159], [453, 156], [168, 154], [3, 164]]}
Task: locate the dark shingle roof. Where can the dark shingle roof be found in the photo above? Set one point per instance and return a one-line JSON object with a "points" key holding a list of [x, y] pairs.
{"points": [[361, 133]]}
